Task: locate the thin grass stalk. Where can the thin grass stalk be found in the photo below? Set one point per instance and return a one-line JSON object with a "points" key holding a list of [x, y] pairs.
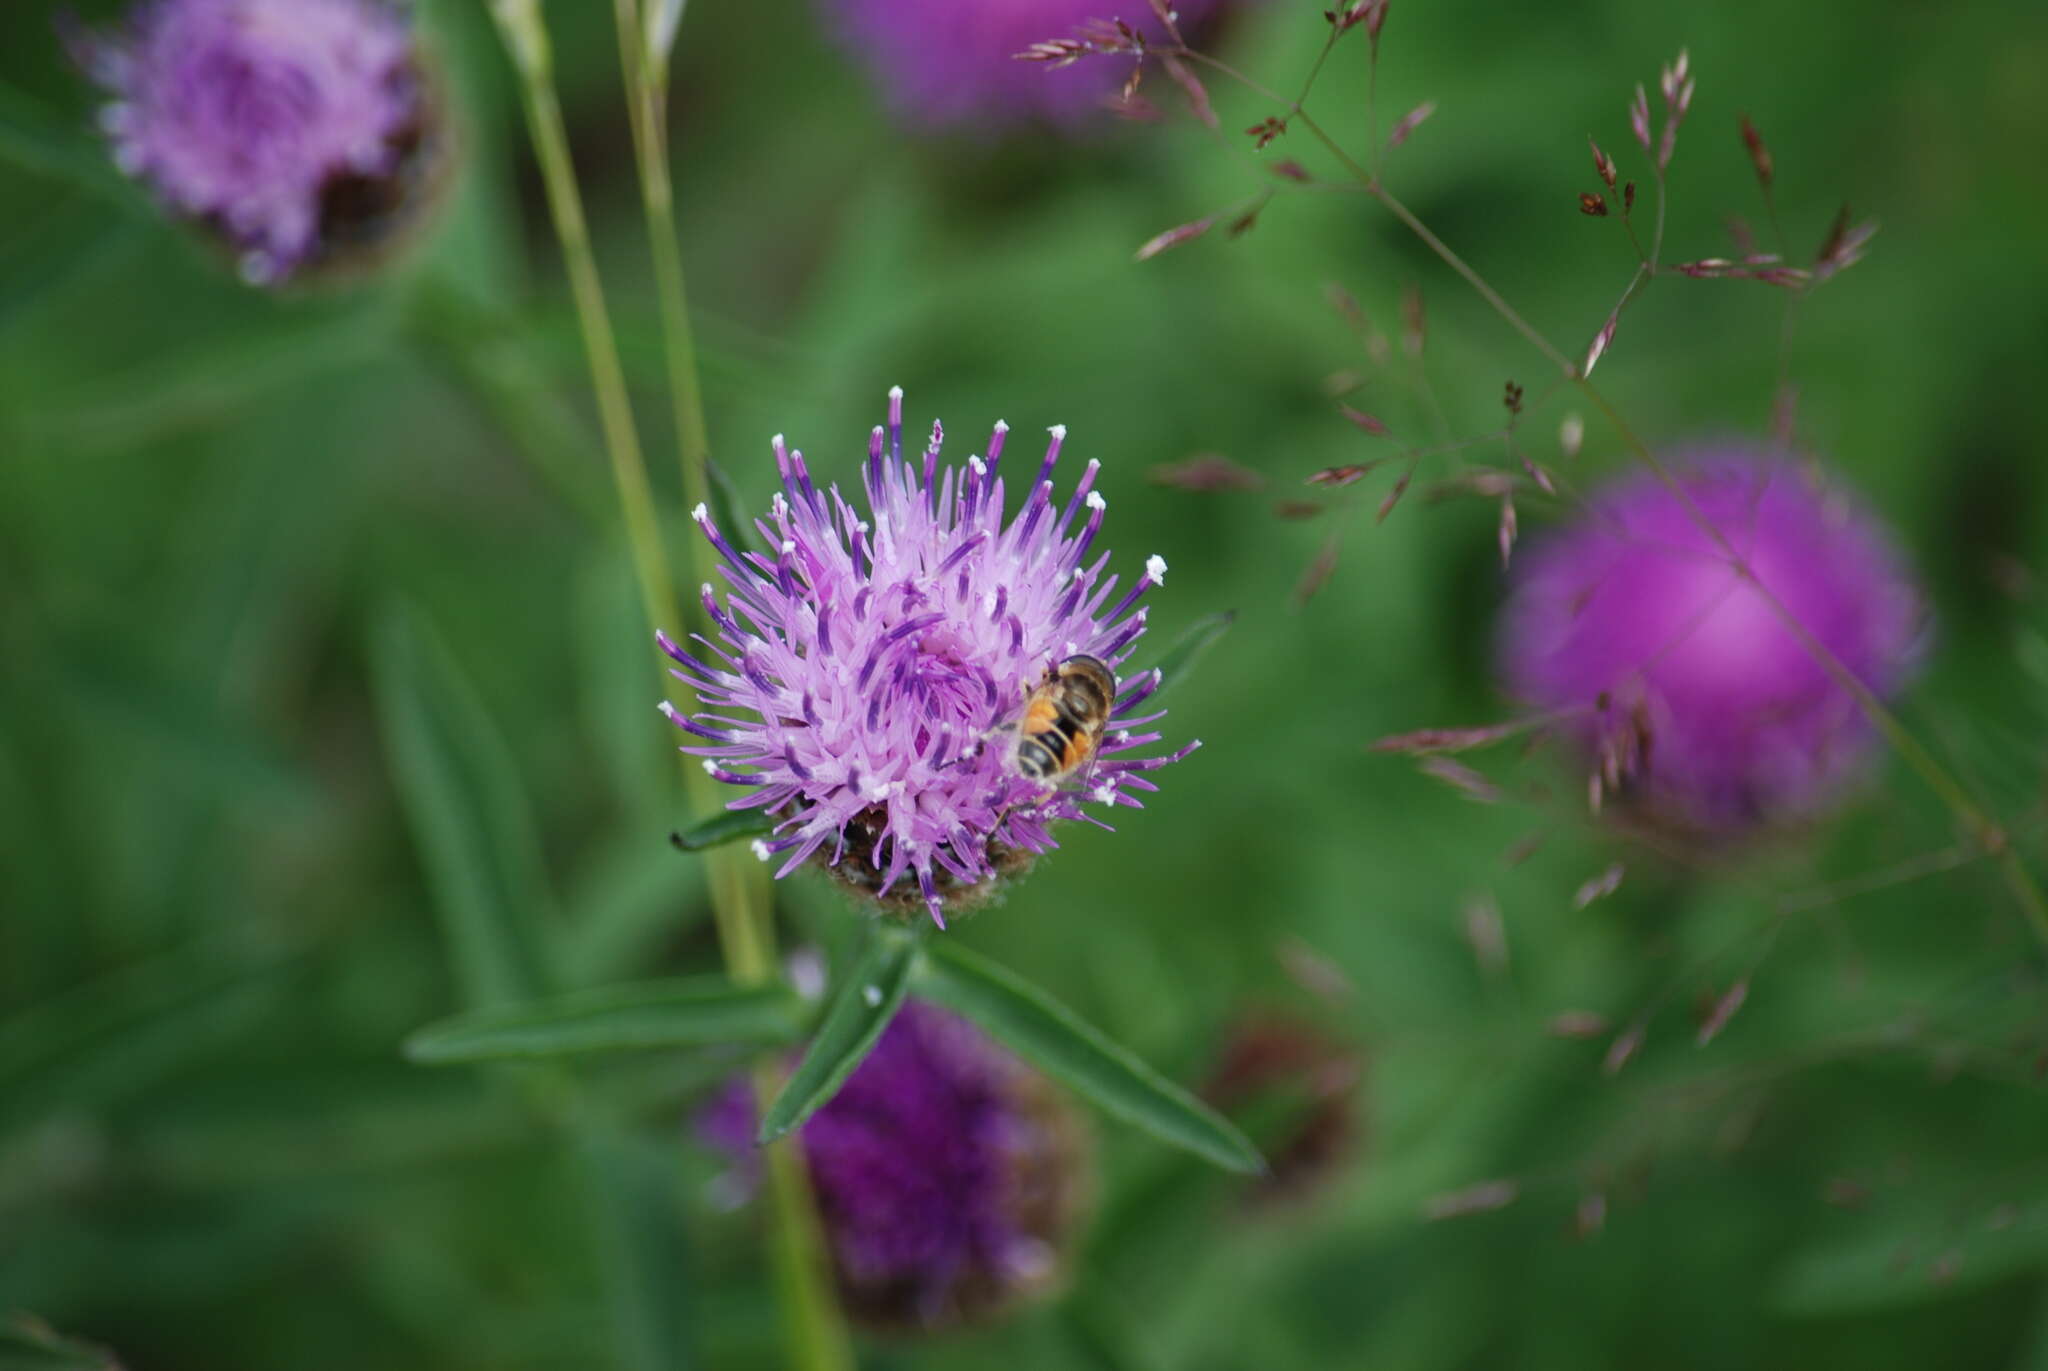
{"points": [[738, 893], [1981, 826], [739, 885]]}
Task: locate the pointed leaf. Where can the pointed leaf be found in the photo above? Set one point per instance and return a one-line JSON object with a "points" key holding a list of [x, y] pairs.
{"points": [[1190, 647], [1049, 1035], [460, 791], [697, 1011], [866, 1002], [727, 827]]}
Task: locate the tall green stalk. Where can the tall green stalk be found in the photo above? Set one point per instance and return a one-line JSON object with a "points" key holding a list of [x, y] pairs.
{"points": [[816, 1329], [739, 890]]}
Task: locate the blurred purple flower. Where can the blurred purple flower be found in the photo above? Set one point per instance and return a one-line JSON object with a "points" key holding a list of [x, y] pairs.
{"points": [[947, 1174], [1692, 697], [878, 664], [953, 62], [249, 114]]}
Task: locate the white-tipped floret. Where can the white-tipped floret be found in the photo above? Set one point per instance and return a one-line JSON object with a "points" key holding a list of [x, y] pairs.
{"points": [[710, 767], [759, 849], [1002, 426], [895, 392], [788, 547], [1095, 500], [1155, 569], [1104, 794], [668, 711], [1059, 433], [979, 467], [702, 513]]}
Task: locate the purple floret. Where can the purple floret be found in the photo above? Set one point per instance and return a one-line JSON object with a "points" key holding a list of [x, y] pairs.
{"points": [[242, 113], [864, 673], [943, 1171], [953, 62], [1638, 630]]}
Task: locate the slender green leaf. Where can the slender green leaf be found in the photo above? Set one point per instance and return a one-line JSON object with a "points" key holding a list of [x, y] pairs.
{"points": [[692, 1012], [636, 1207], [29, 1344], [479, 351], [629, 895], [1190, 648], [461, 794], [726, 505], [156, 707], [720, 829], [215, 376], [34, 137], [866, 1001], [62, 247], [1047, 1033], [118, 1036]]}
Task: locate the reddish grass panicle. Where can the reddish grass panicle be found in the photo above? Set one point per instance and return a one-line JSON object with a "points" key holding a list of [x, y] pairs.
{"points": [[945, 63]]}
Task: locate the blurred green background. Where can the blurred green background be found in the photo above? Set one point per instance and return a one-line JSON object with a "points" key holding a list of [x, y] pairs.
{"points": [[234, 527]]}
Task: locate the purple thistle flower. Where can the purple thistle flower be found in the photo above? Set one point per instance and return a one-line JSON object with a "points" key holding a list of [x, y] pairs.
{"points": [[867, 679], [1674, 673], [953, 62], [268, 120], [947, 1174]]}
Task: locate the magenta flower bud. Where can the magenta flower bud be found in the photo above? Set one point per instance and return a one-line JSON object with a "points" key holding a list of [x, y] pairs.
{"points": [[288, 128], [948, 1175], [1695, 702], [954, 62], [871, 678]]}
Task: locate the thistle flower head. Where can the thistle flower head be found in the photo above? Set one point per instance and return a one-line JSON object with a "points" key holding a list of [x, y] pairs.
{"points": [[869, 673], [252, 115], [1692, 695], [953, 62], [947, 1174]]}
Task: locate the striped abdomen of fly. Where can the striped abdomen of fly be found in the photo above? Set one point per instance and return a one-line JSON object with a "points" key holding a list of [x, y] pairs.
{"points": [[1063, 720]]}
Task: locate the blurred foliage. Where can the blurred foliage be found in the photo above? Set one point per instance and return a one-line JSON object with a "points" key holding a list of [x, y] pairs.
{"points": [[291, 585]]}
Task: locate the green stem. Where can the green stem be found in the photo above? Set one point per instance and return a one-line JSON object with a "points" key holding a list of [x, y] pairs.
{"points": [[520, 24], [740, 894], [738, 888]]}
